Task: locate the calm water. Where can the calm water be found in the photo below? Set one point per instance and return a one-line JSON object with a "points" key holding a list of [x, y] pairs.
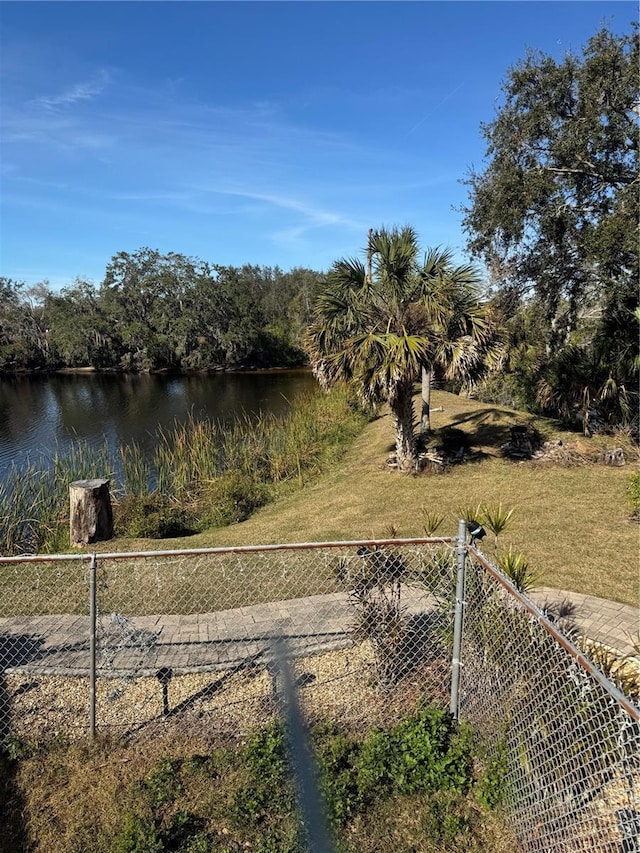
{"points": [[41, 414]]}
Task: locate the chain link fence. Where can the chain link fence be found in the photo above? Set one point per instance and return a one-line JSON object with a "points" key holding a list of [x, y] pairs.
{"points": [[168, 643], [147, 643], [569, 738]]}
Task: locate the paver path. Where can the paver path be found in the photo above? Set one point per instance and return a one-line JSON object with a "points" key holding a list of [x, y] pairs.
{"points": [[59, 644], [610, 622]]}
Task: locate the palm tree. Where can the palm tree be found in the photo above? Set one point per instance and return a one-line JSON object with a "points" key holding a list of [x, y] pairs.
{"points": [[379, 331]]}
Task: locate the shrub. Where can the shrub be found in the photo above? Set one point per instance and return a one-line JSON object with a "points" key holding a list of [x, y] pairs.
{"points": [[427, 752], [151, 517], [232, 497]]}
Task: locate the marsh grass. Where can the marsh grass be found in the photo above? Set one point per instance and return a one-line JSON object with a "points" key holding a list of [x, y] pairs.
{"points": [[34, 499], [203, 474]]}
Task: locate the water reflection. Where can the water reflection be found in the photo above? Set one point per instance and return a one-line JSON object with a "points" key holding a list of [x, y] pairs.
{"points": [[39, 414]]}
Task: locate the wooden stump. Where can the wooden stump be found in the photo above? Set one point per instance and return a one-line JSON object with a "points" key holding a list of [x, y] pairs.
{"points": [[91, 516]]}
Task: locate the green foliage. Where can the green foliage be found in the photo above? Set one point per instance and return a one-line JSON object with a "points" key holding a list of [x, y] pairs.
{"points": [[162, 783], [14, 747], [151, 516], [491, 786], [633, 495], [156, 311], [233, 497], [496, 518], [137, 835], [431, 521], [516, 567], [470, 512], [554, 216], [377, 332], [267, 788], [425, 753]]}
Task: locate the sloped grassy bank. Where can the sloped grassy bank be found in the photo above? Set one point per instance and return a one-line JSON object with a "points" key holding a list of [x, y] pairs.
{"points": [[573, 522]]}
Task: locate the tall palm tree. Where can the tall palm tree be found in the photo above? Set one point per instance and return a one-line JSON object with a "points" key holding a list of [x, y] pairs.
{"points": [[379, 331]]}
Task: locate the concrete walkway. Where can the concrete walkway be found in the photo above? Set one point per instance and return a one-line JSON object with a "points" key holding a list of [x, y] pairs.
{"points": [[144, 645]]}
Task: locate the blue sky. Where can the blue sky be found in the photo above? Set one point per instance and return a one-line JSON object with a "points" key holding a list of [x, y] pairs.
{"points": [[251, 132]]}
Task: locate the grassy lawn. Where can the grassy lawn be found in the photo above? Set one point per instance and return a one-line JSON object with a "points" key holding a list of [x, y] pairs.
{"points": [[572, 523]]}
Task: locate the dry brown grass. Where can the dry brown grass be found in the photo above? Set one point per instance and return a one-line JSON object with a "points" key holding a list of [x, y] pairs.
{"points": [[572, 523]]}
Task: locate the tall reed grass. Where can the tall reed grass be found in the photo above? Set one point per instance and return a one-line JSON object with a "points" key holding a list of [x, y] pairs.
{"points": [[34, 499], [201, 474]]}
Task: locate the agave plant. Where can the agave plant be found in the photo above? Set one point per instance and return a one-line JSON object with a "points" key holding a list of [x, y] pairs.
{"points": [[516, 567], [496, 519]]}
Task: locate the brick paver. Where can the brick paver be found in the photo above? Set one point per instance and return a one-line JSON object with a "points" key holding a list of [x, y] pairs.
{"points": [[228, 638]]}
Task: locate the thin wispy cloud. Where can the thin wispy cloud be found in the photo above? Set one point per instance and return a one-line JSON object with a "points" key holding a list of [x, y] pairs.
{"points": [[84, 91]]}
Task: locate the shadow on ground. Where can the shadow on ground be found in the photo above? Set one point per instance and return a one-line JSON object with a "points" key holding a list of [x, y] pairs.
{"points": [[13, 835]]}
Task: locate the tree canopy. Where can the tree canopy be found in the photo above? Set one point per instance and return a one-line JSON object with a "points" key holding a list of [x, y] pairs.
{"points": [[555, 212]]}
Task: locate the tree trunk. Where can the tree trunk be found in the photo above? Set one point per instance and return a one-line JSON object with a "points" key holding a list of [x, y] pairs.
{"points": [[91, 516], [401, 404], [425, 421]]}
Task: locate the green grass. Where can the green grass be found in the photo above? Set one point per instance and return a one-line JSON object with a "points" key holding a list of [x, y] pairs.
{"points": [[572, 524]]}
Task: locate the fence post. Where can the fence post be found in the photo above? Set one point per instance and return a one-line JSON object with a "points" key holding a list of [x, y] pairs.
{"points": [[457, 623], [92, 647]]}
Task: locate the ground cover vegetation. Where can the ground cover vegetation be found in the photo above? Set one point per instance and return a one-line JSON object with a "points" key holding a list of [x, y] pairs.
{"points": [[423, 781], [158, 311]]}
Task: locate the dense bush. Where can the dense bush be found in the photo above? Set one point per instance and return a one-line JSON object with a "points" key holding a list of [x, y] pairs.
{"points": [[151, 516]]}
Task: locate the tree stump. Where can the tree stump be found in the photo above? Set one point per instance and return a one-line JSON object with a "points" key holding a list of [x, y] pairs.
{"points": [[91, 516]]}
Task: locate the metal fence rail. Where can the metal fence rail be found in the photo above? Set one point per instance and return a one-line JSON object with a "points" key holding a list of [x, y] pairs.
{"points": [[154, 644]]}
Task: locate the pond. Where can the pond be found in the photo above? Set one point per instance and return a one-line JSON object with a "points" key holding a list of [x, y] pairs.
{"points": [[41, 415]]}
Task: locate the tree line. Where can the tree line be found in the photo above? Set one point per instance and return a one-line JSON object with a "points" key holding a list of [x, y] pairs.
{"points": [[158, 311]]}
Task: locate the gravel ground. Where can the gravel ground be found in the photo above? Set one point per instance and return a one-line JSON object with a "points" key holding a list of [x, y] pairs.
{"points": [[339, 685]]}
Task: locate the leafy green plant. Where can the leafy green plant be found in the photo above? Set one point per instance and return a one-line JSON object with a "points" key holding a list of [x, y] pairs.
{"points": [[267, 784], [426, 752], [516, 567], [162, 782], [469, 512], [497, 519]]}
